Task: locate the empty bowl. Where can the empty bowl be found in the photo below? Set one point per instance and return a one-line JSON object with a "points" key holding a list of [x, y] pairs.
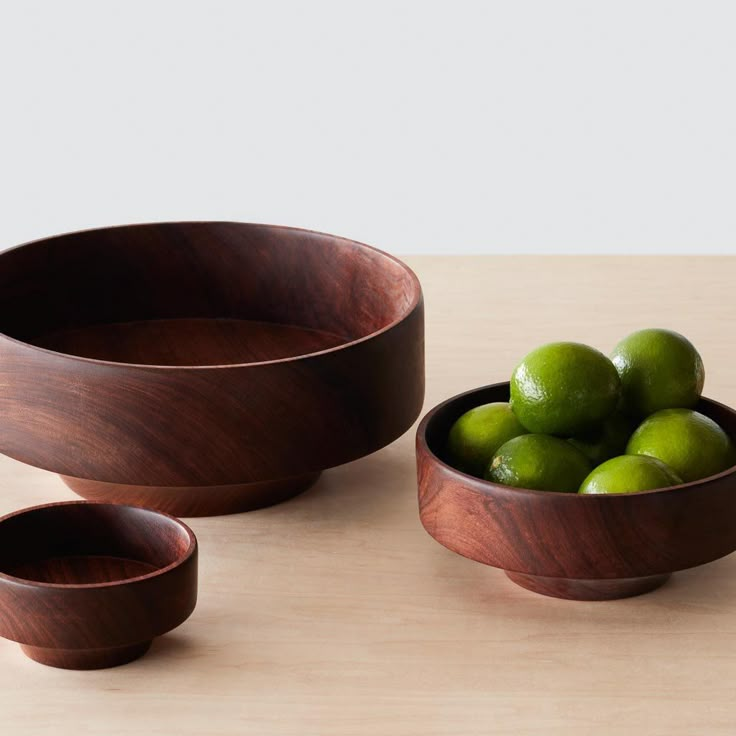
{"points": [[204, 368], [89, 585], [585, 547]]}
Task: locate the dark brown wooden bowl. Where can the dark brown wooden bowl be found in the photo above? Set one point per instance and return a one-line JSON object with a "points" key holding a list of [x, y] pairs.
{"points": [[89, 585], [204, 368], [568, 545]]}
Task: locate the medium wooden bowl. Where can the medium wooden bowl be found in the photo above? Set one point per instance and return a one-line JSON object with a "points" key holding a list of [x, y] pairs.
{"points": [[204, 368], [89, 585], [565, 545]]}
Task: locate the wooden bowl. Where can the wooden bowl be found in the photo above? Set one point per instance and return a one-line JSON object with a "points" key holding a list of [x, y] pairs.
{"points": [[89, 585], [565, 545], [204, 368]]}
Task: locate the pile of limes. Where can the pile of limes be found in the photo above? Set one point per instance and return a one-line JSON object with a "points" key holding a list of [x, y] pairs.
{"points": [[580, 422]]}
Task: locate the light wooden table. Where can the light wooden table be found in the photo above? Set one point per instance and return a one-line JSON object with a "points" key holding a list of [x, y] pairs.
{"points": [[336, 614]]}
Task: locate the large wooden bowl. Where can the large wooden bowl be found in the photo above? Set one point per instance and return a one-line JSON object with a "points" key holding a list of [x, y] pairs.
{"points": [[90, 585], [568, 545], [204, 368]]}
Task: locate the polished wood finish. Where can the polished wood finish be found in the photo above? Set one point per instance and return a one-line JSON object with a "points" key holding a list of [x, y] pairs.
{"points": [[337, 614], [224, 359], [190, 341], [193, 500], [566, 545], [87, 585], [588, 590]]}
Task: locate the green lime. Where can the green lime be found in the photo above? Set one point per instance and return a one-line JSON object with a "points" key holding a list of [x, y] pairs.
{"points": [[659, 369], [607, 441], [564, 388], [629, 474], [478, 433], [693, 445], [539, 462]]}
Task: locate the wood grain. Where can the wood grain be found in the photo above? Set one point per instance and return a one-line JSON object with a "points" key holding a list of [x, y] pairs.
{"points": [[90, 585], [584, 547], [337, 614], [224, 359], [188, 341]]}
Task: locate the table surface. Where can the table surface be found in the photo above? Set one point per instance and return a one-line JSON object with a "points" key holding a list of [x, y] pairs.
{"points": [[335, 613]]}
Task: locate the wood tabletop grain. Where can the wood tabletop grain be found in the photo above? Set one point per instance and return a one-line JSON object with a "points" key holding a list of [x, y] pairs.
{"points": [[336, 614]]}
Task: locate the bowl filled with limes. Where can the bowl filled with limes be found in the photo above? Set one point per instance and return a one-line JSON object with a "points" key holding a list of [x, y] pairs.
{"points": [[585, 477]]}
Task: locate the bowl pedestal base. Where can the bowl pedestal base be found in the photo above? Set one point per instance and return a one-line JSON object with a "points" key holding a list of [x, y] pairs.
{"points": [[86, 659], [588, 590], [195, 500]]}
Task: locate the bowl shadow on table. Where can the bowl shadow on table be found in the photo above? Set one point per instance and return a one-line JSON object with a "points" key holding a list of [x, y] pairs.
{"points": [[373, 487], [373, 484], [175, 645], [487, 590], [710, 585], [368, 490], [171, 647]]}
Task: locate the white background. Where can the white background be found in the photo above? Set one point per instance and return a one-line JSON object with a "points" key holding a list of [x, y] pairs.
{"points": [[450, 127]]}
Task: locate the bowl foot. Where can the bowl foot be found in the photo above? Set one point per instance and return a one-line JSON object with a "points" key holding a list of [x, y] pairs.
{"points": [[588, 590], [195, 500], [86, 659]]}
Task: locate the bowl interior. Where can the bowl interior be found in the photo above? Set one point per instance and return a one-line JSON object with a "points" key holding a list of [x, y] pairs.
{"points": [[445, 415], [194, 294], [82, 544]]}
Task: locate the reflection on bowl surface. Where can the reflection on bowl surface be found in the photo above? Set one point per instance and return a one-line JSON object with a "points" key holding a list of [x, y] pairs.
{"points": [[199, 293], [84, 544], [85, 586], [205, 367], [189, 341], [568, 545]]}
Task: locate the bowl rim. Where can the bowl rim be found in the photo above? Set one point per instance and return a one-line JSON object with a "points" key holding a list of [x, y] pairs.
{"points": [[180, 560], [417, 297], [482, 485]]}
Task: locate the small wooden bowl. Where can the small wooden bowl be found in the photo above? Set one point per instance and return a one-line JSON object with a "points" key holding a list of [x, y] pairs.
{"points": [[565, 545], [90, 585], [204, 368]]}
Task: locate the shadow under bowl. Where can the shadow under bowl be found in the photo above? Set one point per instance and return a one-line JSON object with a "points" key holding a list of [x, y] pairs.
{"points": [[582, 547], [203, 368], [90, 585]]}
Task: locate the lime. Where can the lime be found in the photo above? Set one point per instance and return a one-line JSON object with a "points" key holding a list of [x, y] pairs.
{"points": [[564, 388], [693, 445], [539, 462], [629, 474], [607, 441], [659, 369], [478, 433]]}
